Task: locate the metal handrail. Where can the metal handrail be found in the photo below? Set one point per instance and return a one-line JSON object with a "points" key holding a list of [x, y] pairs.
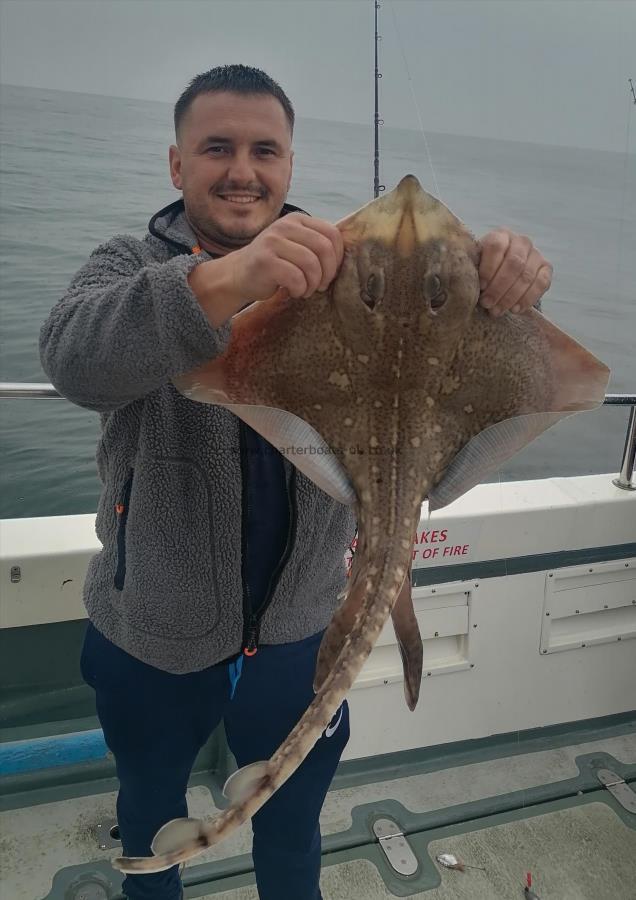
{"points": [[22, 390]]}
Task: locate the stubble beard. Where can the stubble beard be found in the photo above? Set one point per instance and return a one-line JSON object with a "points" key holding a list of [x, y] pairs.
{"points": [[211, 230]]}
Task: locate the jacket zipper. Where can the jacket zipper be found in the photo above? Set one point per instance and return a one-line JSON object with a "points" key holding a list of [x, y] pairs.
{"points": [[121, 509], [248, 615], [252, 620], [282, 562]]}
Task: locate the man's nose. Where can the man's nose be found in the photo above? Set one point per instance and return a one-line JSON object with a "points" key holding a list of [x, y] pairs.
{"points": [[241, 167]]}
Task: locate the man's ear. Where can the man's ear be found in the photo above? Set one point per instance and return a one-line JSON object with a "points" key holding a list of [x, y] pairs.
{"points": [[174, 157], [291, 166]]}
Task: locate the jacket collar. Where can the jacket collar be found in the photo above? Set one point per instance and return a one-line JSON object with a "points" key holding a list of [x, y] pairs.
{"points": [[171, 226]]}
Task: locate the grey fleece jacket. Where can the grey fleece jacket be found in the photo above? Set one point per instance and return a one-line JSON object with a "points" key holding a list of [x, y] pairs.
{"points": [[168, 585]]}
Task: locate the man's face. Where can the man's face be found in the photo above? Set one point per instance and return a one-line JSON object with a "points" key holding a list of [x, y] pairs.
{"points": [[233, 165]]}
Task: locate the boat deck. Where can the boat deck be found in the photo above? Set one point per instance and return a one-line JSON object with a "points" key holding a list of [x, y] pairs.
{"points": [[534, 625], [528, 802]]}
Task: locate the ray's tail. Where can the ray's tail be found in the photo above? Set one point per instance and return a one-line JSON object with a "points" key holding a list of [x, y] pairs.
{"points": [[377, 583]]}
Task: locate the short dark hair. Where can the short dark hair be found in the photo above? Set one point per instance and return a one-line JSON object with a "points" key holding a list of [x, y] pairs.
{"points": [[235, 78]]}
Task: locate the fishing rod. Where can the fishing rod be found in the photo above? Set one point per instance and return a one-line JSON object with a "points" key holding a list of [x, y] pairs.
{"points": [[631, 84], [377, 121]]}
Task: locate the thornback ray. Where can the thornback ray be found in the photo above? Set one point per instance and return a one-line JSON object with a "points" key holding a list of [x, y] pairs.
{"points": [[404, 381]]}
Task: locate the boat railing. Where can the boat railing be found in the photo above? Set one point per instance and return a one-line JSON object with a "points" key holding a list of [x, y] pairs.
{"points": [[43, 391]]}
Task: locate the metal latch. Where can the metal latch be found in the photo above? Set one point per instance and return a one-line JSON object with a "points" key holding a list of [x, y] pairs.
{"points": [[395, 846], [618, 788], [107, 834]]}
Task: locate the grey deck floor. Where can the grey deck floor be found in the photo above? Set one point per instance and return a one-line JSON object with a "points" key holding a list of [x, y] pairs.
{"points": [[582, 848], [579, 854]]}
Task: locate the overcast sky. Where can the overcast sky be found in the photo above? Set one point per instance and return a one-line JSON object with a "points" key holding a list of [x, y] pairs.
{"points": [[550, 71]]}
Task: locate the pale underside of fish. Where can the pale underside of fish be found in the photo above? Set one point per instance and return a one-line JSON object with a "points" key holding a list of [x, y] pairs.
{"points": [[393, 386]]}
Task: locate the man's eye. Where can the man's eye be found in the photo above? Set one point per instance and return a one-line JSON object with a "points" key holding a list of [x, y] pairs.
{"points": [[215, 149], [265, 151]]}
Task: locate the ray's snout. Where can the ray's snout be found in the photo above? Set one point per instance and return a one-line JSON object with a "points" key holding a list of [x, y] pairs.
{"points": [[409, 198], [402, 220]]}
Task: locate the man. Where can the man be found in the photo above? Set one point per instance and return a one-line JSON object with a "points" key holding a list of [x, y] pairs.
{"points": [[221, 563]]}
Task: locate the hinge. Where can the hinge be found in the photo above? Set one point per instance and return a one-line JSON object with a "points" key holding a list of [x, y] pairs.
{"points": [[618, 788], [395, 846]]}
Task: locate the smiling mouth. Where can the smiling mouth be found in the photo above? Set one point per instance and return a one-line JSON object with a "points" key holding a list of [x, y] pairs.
{"points": [[241, 199]]}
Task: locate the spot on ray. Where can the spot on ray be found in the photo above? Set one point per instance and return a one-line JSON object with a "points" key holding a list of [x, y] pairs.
{"points": [[340, 379], [451, 384]]}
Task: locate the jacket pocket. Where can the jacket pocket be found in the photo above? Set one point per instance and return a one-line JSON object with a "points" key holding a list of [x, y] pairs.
{"points": [[172, 553], [121, 509]]}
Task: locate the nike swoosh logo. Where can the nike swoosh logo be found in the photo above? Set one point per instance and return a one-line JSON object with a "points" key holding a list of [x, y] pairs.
{"points": [[329, 730]]}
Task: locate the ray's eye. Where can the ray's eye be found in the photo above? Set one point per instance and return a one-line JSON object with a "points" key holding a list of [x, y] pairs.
{"points": [[374, 290], [434, 292]]}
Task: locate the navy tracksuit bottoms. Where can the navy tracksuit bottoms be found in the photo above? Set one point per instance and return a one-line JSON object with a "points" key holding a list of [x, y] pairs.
{"points": [[155, 722]]}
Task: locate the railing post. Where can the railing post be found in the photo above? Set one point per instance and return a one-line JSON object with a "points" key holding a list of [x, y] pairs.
{"points": [[624, 480]]}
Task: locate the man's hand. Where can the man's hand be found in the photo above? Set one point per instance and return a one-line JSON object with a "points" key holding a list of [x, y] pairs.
{"points": [[298, 253], [513, 275]]}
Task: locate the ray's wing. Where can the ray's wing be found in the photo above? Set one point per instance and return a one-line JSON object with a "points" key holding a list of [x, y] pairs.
{"points": [[529, 375], [302, 444], [260, 379]]}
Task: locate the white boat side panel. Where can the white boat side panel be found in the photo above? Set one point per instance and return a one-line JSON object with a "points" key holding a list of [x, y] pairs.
{"points": [[43, 565], [495, 679], [520, 518], [43, 561]]}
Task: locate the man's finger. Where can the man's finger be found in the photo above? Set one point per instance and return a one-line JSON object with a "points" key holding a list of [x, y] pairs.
{"points": [[290, 277], [512, 268], [517, 293], [322, 238], [493, 249], [330, 232], [537, 289], [305, 262]]}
